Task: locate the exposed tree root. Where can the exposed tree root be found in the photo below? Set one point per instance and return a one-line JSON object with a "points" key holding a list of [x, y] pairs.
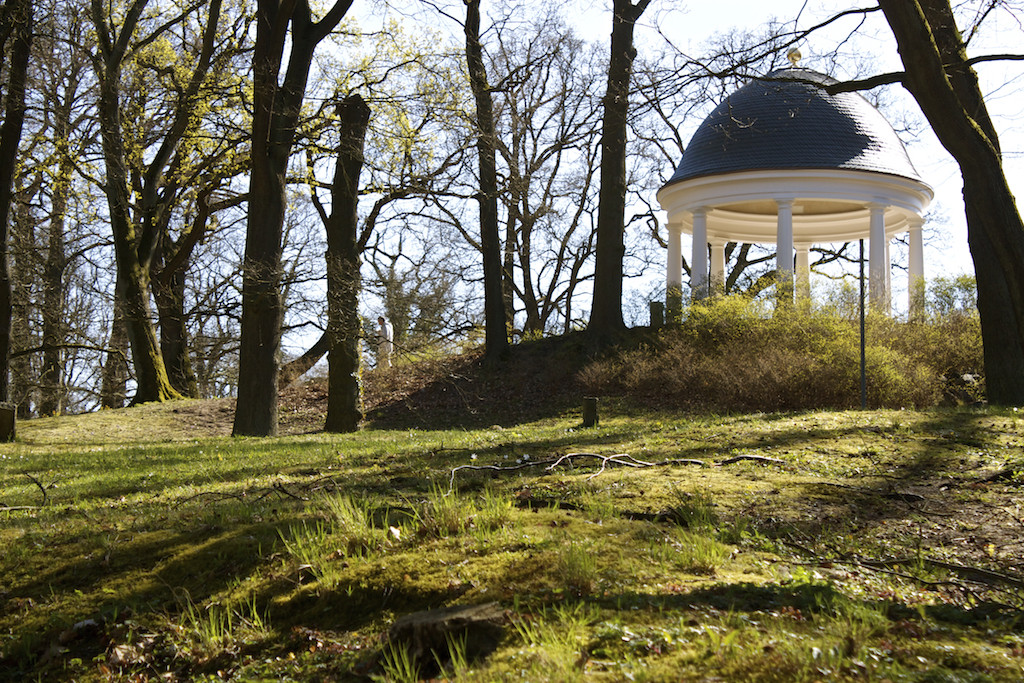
{"points": [[621, 459]]}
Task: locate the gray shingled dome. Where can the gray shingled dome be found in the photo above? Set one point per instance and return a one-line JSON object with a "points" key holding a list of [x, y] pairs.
{"points": [[788, 121]]}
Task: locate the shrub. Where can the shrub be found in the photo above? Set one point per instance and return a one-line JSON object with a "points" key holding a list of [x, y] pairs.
{"points": [[732, 354]]}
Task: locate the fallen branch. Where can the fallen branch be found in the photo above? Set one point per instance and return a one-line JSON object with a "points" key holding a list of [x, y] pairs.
{"points": [[1009, 474], [902, 496], [684, 461], [624, 459], [764, 460], [279, 487], [11, 508], [874, 566]]}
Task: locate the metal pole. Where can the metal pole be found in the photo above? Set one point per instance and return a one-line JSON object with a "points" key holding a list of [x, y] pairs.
{"points": [[863, 347]]}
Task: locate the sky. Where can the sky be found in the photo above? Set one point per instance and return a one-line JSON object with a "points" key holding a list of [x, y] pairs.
{"points": [[690, 25]]}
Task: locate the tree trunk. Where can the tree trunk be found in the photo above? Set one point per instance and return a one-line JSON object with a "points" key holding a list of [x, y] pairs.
{"points": [[262, 308], [606, 310], [151, 379], [20, 13], [344, 394], [169, 294], [114, 377], [946, 88], [495, 329], [52, 390], [508, 270], [276, 108], [294, 369], [23, 263]]}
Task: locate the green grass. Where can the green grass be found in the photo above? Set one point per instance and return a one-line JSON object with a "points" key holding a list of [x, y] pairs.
{"points": [[261, 559]]}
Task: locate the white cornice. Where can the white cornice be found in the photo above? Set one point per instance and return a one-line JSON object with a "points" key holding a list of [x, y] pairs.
{"points": [[905, 199]]}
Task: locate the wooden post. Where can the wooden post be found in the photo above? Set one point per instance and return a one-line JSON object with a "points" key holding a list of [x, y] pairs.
{"points": [[8, 412], [589, 411], [657, 315]]}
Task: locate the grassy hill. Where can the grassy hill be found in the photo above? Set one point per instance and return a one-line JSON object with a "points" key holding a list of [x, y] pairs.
{"points": [[664, 544]]}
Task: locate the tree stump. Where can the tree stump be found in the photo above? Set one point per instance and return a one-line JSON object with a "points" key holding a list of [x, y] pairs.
{"points": [[426, 635], [589, 411], [8, 412]]}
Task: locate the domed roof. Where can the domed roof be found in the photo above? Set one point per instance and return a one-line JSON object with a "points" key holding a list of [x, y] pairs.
{"points": [[788, 121]]}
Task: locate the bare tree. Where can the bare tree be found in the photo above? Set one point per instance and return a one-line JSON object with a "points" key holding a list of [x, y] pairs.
{"points": [[547, 132]]}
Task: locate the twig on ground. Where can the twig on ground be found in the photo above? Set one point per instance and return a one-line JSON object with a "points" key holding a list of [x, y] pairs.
{"points": [[279, 487], [216, 495], [990, 578], [976, 574], [624, 459], [902, 496], [876, 567]]}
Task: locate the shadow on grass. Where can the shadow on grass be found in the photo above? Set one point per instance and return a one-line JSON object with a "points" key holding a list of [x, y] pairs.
{"points": [[809, 598]]}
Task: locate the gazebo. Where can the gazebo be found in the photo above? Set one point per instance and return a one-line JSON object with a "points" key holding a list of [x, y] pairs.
{"points": [[783, 161]]}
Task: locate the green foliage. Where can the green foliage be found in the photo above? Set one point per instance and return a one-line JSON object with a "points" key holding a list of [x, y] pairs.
{"points": [[398, 666], [953, 296], [353, 521], [445, 513], [554, 642], [216, 628], [577, 566], [694, 510]]}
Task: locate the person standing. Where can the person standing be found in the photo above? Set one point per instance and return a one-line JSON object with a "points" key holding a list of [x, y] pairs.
{"points": [[385, 342]]}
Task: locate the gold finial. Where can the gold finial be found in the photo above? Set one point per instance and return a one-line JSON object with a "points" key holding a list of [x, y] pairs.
{"points": [[793, 56]]}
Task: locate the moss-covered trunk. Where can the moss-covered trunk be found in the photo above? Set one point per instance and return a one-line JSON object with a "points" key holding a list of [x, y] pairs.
{"points": [[941, 79], [174, 340]]}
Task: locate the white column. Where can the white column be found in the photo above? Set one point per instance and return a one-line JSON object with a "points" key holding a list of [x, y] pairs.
{"points": [[877, 263], [803, 271], [784, 250], [699, 257], [915, 271], [674, 273], [674, 266], [887, 299], [718, 265]]}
